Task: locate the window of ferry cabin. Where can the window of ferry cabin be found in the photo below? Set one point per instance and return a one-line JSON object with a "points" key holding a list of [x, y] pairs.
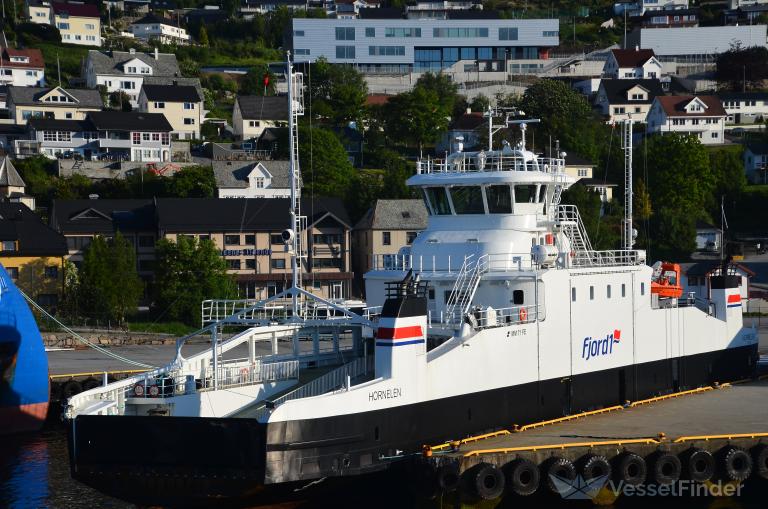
{"points": [[439, 200], [467, 200], [518, 297], [499, 199]]}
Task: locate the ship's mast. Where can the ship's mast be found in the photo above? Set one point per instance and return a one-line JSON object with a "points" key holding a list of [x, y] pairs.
{"points": [[627, 232], [295, 108]]}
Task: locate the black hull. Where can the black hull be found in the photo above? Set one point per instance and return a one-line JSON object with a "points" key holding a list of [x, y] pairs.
{"points": [[176, 461]]}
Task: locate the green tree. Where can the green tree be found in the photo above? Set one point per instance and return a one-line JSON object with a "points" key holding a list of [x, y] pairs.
{"points": [[186, 273], [325, 167], [253, 82], [202, 36], [681, 183], [418, 116], [119, 100], [480, 103], [742, 68], [728, 171], [193, 182], [338, 93], [442, 85]]}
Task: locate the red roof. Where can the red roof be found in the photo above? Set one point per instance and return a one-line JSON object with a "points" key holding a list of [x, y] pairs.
{"points": [[81, 10], [632, 57], [35, 58], [674, 105], [377, 99]]}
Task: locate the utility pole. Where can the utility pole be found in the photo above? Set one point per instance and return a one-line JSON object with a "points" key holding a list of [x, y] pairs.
{"points": [[58, 67], [625, 27]]}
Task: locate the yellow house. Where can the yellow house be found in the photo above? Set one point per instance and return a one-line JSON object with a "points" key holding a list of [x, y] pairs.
{"points": [[181, 105], [32, 253], [79, 23], [53, 103], [252, 114]]}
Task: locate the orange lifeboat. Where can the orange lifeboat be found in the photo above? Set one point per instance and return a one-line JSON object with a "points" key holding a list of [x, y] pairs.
{"points": [[666, 281]]}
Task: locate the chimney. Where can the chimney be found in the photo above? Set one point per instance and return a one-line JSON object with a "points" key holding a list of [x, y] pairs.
{"points": [[132, 51], [157, 55]]}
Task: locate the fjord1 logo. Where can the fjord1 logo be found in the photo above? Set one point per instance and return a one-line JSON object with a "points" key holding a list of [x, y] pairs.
{"points": [[601, 346]]}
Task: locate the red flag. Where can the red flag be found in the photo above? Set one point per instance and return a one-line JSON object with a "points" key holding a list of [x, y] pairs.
{"points": [[266, 80]]}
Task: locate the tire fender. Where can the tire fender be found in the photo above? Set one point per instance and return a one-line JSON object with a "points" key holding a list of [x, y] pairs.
{"points": [[523, 477], [664, 468], [760, 461], [735, 464], [488, 481], [630, 468], [698, 464], [561, 468]]}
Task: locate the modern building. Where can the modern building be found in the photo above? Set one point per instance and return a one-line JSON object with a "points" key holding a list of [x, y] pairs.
{"points": [[697, 42], [57, 102], [408, 45], [79, 221], [21, 67], [153, 28], [702, 116], [632, 64], [125, 70], [745, 107], [254, 113], [261, 179], [247, 232], [78, 22], [32, 253], [622, 99], [111, 135], [181, 105], [384, 230], [756, 162]]}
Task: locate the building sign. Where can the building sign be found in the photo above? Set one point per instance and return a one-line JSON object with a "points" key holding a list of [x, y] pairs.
{"points": [[246, 252]]}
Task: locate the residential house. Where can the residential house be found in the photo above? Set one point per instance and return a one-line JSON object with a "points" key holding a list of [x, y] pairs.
{"points": [[125, 71], [12, 186], [81, 220], [639, 7], [32, 253], [181, 105], [745, 107], [622, 99], [350, 9], [38, 11], [252, 114], [9, 133], [735, 4], [756, 162], [702, 116], [583, 170], [429, 9], [22, 67], [747, 14], [465, 130], [261, 179], [57, 102], [247, 233], [708, 237], [78, 22], [110, 135], [632, 64], [250, 7], [384, 230], [153, 28], [665, 18], [698, 277]]}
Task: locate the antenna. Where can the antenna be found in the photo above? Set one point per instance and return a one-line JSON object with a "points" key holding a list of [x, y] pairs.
{"points": [[523, 127], [627, 233]]}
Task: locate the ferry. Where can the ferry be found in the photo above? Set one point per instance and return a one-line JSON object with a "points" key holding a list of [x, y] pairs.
{"points": [[499, 313], [24, 385]]}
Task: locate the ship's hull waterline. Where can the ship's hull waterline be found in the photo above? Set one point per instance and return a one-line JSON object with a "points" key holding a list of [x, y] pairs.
{"points": [[155, 461]]}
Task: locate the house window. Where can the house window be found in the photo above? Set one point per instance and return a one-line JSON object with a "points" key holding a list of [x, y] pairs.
{"points": [[410, 237], [189, 121], [250, 263], [277, 263], [402, 32], [159, 105], [345, 33], [608, 291], [254, 123], [90, 37], [155, 136], [678, 121], [233, 264], [642, 288], [582, 173], [52, 272], [637, 109], [637, 97], [9, 245], [189, 106], [345, 52], [623, 290], [13, 272], [715, 135], [68, 115], [250, 240], [370, 32], [275, 238], [470, 32], [573, 294], [386, 238], [301, 51], [165, 138], [146, 136], [136, 137], [232, 239], [62, 26], [260, 182], [619, 110], [509, 34], [298, 33], [695, 121], [90, 26]]}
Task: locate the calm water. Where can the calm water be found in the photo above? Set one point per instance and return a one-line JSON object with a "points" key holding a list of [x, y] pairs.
{"points": [[34, 473]]}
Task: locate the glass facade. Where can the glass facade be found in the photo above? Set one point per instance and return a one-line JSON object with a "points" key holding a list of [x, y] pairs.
{"points": [[460, 32], [386, 51], [507, 34], [402, 32], [345, 52]]}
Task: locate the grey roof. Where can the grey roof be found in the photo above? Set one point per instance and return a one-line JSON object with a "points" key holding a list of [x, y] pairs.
{"points": [[8, 174], [106, 63], [256, 107], [616, 90], [395, 215], [175, 80], [234, 174], [698, 40], [31, 95], [171, 93]]}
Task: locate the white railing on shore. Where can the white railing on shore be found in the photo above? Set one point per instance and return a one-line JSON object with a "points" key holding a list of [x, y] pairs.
{"points": [[214, 310], [482, 161], [338, 378]]}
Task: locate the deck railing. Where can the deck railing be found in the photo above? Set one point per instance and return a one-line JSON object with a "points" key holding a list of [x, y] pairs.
{"points": [[482, 161]]}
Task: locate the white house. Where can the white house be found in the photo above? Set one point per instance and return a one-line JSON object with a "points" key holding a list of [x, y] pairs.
{"points": [[756, 162], [702, 116], [155, 28], [254, 113], [621, 99], [708, 237], [698, 275], [126, 70], [638, 7], [22, 67], [254, 179], [632, 64], [745, 107], [468, 128]]}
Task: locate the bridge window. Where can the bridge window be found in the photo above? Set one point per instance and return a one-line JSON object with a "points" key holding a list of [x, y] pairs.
{"points": [[642, 288], [467, 200], [525, 193], [518, 297], [608, 291], [573, 294], [439, 199], [542, 193], [591, 293], [499, 199], [623, 290]]}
